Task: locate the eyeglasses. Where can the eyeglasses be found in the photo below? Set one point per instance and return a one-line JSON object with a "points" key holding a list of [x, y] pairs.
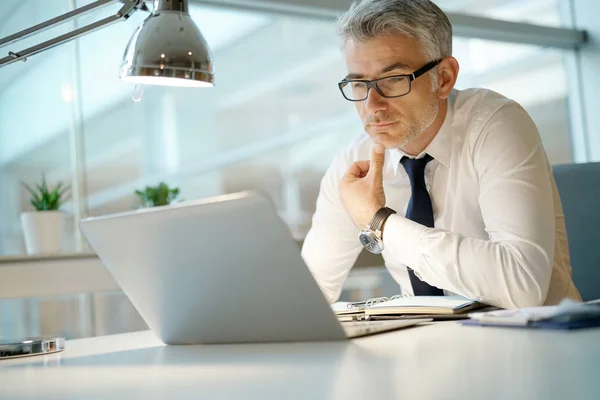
{"points": [[390, 86]]}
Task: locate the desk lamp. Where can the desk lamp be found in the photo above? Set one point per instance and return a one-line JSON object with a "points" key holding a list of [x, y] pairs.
{"points": [[166, 49]]}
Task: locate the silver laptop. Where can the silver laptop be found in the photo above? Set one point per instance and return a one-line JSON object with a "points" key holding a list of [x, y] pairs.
{"points": [[219, 270]]}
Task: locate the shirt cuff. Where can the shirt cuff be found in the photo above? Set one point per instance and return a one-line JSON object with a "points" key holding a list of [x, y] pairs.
{"points": [[401, 236]]}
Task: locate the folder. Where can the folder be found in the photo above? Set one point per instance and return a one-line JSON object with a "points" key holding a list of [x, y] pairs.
{"points": [[569, 314]]}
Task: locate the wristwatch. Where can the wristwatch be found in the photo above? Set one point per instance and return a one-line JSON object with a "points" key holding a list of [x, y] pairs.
{"points": [[370, 237]]}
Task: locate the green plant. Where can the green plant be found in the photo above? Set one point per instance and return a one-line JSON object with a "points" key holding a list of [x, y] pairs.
{"points": [[45, 199], [154, 196]]}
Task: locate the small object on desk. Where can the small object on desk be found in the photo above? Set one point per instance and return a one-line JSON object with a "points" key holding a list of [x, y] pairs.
{"points": [[569, 314], [431, 305], [358, 307], [433, 317], [346, 307], [407, 307], [30, 346], [347, 311]]}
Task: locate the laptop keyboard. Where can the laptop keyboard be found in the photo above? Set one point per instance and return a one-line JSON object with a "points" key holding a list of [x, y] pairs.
{"points": [[364, 324], [361, 328]]}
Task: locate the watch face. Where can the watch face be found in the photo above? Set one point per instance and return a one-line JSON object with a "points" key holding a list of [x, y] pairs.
{"points": [[370, 242]]}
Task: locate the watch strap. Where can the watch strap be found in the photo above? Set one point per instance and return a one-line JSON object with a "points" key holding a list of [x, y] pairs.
{"points": [[380, 217]]}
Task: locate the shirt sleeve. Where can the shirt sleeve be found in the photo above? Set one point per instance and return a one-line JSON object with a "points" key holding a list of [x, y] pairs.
{"points": [[331, 246], [513, 268]]}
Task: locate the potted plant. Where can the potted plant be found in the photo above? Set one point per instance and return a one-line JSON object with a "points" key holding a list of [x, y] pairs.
{"points": [[43, 228], [155, 196]]}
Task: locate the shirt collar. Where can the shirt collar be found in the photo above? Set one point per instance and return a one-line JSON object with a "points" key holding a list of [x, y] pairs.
{"points": [[440, 146]]}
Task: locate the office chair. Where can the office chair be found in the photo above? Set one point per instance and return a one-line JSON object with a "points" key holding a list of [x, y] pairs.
{"points": [[579, 188]]}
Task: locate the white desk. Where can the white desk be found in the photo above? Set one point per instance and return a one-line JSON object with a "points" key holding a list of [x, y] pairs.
{"points": [[440, 361]]}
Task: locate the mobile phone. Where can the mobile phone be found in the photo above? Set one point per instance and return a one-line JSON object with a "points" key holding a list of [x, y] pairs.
{"points": [[31, 346]]}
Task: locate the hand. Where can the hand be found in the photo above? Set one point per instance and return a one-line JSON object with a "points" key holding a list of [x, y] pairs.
{"points": [[361, 188]]}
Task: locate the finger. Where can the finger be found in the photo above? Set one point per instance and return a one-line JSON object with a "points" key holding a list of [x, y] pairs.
{"points": [[377, 162], [364, 165], [358, 170]]}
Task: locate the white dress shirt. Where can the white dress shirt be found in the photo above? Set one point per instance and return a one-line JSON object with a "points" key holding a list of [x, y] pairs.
{"points": [[499, 234]]}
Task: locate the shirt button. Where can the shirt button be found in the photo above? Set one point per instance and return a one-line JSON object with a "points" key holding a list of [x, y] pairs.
{"points": [[418, 275]]}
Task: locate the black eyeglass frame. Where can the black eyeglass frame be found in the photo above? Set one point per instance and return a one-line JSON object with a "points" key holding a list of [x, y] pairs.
{"points": [[373, 84]]}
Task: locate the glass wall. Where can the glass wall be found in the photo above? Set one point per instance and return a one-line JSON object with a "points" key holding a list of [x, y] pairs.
{"points": [[273, 121], [35, 116], [538, 12]]}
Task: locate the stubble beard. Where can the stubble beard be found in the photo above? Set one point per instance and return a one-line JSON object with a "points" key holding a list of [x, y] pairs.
{"points": [[418, 127]]}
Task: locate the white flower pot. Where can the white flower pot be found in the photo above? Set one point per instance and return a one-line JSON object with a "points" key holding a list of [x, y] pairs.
{"points": [[43, 231]]}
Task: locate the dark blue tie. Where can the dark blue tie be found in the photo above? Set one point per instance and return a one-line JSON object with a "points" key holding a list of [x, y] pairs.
{"points": [[419, 210]]}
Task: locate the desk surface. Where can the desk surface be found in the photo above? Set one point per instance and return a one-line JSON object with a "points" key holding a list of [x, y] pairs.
{"points": [[435, 361]]}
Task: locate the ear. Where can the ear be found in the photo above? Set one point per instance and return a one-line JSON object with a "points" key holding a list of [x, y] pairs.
{"points": [[447, 71]]}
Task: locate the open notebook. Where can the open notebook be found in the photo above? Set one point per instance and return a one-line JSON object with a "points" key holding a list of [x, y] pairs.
{"points": [[402, 305], [423, 305]]}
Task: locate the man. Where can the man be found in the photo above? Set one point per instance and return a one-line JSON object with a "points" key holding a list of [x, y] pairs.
{"points": [[458, 194]]}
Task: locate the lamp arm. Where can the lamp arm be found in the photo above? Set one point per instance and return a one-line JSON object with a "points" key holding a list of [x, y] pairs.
{"points": [[52, 22], [129, 7]]}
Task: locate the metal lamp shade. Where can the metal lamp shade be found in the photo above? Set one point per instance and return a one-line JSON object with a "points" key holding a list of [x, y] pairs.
{"points": [[168, 49]]}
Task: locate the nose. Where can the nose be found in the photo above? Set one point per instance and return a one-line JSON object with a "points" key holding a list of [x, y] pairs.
{"points": [[374, 102]]}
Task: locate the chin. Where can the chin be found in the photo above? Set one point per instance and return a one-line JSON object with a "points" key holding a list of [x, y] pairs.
{"points": [[389, 141]]}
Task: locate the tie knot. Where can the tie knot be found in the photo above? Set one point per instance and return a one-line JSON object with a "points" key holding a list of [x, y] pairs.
{"points": [[415, 169]]}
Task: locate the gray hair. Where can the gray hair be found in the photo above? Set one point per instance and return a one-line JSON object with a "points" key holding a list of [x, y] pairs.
{"points": [[420, 19]]}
